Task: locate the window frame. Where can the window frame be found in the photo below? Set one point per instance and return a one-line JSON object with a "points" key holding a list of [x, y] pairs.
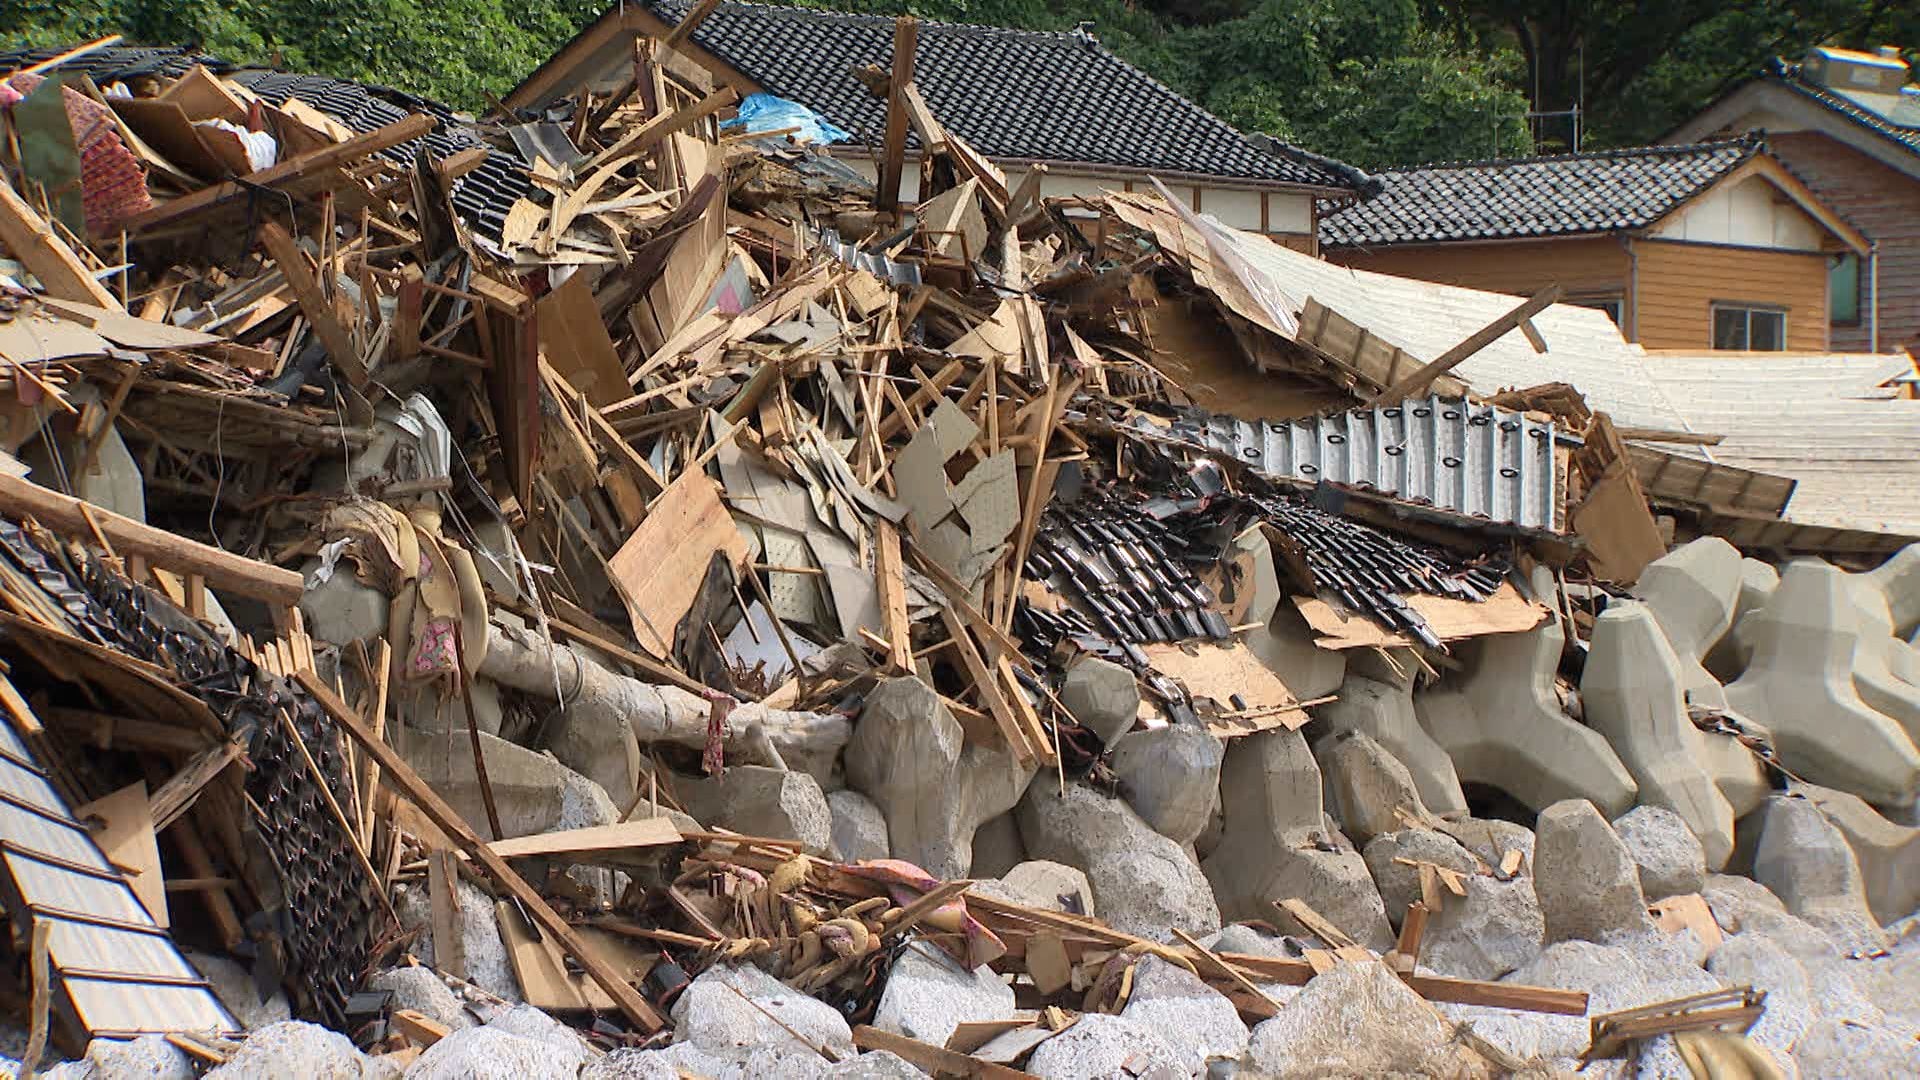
{"points": [[1751, 308]]}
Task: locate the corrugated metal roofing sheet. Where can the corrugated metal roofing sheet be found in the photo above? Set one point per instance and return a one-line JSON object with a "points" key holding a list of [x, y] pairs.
{"points": [[1469, 459], [120, 971]]}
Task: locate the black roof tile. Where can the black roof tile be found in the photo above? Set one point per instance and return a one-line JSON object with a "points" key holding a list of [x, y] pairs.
{"points": [[1051, 96], [1567, 194]]}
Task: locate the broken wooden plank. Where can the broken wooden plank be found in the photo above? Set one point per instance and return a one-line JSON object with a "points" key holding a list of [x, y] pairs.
{"points": [[893, 154], [30, 239], [890, 573], [221, 569], [314, 305], [1417, 381]]}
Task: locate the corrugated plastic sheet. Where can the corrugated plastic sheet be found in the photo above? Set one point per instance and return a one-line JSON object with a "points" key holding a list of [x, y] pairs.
{"points": [[1473, 460], [121, 972]]}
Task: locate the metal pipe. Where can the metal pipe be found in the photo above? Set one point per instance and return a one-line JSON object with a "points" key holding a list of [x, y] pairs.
{"points": [[1873, 296]]}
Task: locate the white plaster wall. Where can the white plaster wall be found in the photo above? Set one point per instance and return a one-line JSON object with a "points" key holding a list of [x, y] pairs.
{"points": [[1750, 213]]}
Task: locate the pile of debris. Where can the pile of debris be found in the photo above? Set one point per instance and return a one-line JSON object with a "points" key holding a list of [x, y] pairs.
{"points": [[607, 593]]}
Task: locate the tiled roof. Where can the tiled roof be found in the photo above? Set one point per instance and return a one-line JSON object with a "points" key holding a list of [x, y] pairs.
{"points": [[1568, 194], [1896, 116], [1011, 93], [482, 197]]}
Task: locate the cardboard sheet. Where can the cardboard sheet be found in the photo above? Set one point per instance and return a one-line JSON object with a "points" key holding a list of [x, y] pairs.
{"points": [[1214, 673]]}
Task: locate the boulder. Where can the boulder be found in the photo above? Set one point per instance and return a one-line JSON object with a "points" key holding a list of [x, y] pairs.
{"points": [[1142, 882], [1171, 777], [627, 1063], [928, 995], [1100, 1046], [710, 1014], [1614, 978], [909, 755], [342, 609], [481, 945], [1810, 866], [149, 1057], [1399, 884], [1888, 854], [1752, 960], [1502, 724], [1383, 710], [1831, 1047], [1194, 1018], [1492, 838], [875, 1065], [1103, 696], [1358, 1020], [760, 800], [1800, 687], [1371, 792], [997, 847], [606, 753], [1668, 854], [859, 828], [1274, 844], [1633, 694], [298, 1049], [1692, 591], [1587, 883], [1282, 640], [419, 989], [236, 989], [1050, 886], [492, 1053], [1494, 929]]}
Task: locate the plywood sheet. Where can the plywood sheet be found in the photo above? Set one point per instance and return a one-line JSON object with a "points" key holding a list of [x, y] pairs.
{"points": [[576, 343], [129, 844], [1505, 612], [597, 840], [540, 965], [660, 567], [1215, 673]]}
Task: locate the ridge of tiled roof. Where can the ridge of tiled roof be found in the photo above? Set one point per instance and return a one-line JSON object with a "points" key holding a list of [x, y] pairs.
{"points": [[1515, 198], [1788, 75], [1033, 94], [482, 196]]}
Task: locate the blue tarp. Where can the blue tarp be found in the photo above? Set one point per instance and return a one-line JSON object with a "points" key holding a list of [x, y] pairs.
{"points": [[764, 112]]}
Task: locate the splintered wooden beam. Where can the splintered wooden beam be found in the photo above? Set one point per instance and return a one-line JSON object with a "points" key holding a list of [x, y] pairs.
{"points": [[891, 574], [313, 304], [396, 773], [32, 240], [1485, 336], [893, 160], [222, 569]]}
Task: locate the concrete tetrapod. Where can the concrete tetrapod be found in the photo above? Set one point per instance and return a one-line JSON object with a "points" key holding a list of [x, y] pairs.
{"points": [[1632, 692], [1800, 685], [1728, 659], [1888, 854], [1808, 863], [1898, 580], [1692, 591], [1283, 641], [1503, 726], [1883, 664], [1274, 845], [1384, 710], [909, 755]]}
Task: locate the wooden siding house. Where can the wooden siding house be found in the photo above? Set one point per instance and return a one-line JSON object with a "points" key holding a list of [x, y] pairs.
{"points": [[1708, 246], [1848, 124], [1019, 97]]}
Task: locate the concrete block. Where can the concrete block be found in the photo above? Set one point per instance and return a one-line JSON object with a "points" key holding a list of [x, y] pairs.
{"points": [[1494, 929], [759, 800], [1371, 792], [1384, 710], [1142, 882], [710, 1014], [533, 792], [859, 829], [1171, 777], [909, 755], [1800, 686], [1194, 1018], [1633, 695], [928, 995], [1503, 725], [1888, 854], [1399, 884], [1103, 1047], [1103, 696], [1039, 883], [1283, 641], [1692, 591], [1274, 844], [1587, 883], [1357, 1020], [1809, 865]]}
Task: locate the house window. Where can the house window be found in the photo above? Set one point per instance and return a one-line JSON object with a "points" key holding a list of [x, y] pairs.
{"points": [[1843, 290], [1749, 328], [1611, 303]]}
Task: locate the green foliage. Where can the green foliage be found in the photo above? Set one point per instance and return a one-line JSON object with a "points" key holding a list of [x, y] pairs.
{"points": [[1373, 82]]}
